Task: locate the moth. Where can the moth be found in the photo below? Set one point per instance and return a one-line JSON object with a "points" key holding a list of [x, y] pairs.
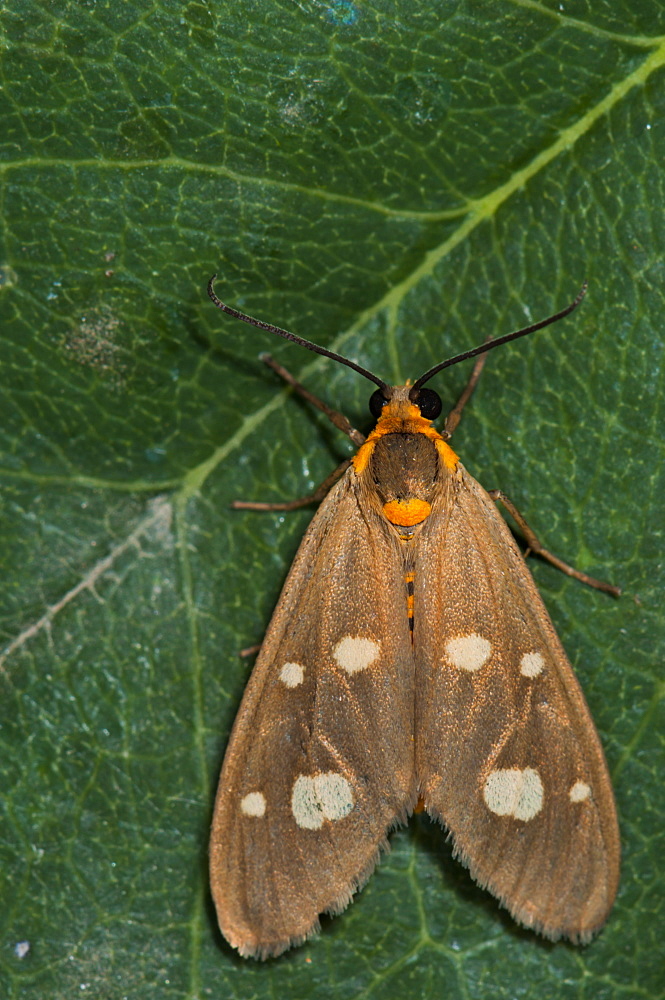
{"points": [[410, 659]]}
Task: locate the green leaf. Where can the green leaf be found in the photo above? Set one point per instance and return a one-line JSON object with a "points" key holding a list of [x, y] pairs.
{"points": [[395, 180]]}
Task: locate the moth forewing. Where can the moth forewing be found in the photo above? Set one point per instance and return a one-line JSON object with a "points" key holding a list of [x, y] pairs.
{"points": [[507, 755], [317, 768]]}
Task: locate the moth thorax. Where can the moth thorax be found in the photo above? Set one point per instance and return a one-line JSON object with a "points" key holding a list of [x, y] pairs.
{"points": [[404, 469]]}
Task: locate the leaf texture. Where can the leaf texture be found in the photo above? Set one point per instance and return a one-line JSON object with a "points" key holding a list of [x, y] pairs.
{"points": [[392, 180]]}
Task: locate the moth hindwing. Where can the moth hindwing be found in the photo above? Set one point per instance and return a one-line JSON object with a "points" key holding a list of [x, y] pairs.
{"points": [[410, 658]]}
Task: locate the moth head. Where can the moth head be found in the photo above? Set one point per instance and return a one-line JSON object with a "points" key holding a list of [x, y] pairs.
{"points": [[428, 402]]}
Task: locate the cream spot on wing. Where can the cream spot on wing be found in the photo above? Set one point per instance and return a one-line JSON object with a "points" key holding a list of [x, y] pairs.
{"points": [[354, 653], [531, 664], [335, 795], [253, 804], [514, 792], [292, 674], [468, 652], [323, 796], [579, 792], [305, 806]]}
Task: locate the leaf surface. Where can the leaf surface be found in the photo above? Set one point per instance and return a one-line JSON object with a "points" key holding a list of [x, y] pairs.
{"points": [[394, 181]]}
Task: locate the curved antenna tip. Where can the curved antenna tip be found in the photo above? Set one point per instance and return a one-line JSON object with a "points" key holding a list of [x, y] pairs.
{"points": [[489, 345], [271, 328]]}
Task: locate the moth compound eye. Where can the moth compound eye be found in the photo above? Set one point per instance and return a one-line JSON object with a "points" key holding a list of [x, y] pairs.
{"points": [[429, 404], [377, 401]]}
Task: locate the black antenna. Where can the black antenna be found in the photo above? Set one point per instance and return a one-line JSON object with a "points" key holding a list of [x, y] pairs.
{"points": [[491, 344], [292, 336]]}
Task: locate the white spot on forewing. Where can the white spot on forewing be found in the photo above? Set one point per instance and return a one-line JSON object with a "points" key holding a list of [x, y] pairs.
{"points": [[305, 805], [468, 652], [579, 792], [531, 664], [253, 804], [335, 795], [514, 792], [354, 653], [292, 674], [323, 796]]}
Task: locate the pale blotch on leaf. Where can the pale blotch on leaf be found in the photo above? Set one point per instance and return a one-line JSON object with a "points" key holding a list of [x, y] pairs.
{"points": [[8, 277], [93, 343]]}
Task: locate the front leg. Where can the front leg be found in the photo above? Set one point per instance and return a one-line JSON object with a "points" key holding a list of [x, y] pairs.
{"points": [[533, 545]]}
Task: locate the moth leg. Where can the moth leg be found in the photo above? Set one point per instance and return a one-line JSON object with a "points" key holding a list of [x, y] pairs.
{"points": [[334, 416], [533, 545], [319, 493], [250, 650], [455, 414]]}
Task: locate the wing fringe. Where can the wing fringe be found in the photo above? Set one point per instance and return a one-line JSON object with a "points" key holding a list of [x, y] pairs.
{"points": [[519, 913], [271, 949]]}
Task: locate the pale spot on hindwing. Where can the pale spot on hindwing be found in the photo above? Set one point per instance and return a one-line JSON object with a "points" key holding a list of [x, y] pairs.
{"points": [[253, 804], [514, 792], [353, 653], [468, 652], [292, 674], [323, 796], [579, 792], [531, 664]]}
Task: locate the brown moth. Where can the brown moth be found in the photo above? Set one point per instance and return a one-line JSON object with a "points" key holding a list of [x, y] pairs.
{"points": [[410, 658]]}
